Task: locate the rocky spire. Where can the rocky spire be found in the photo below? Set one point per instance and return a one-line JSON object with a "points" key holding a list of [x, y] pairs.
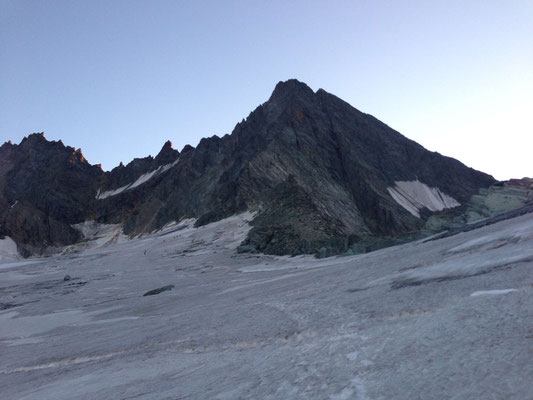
{"points": [[167, 154]]}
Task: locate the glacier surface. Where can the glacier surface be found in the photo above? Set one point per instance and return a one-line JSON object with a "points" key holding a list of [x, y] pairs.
{"points": [[450, 318]]}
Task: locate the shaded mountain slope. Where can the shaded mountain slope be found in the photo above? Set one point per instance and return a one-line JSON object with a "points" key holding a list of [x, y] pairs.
{"points": [[44, 188], [317, 171]]}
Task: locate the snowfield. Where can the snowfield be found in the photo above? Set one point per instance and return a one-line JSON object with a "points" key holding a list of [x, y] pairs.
{"points": [[444, 319], [415, 195]]}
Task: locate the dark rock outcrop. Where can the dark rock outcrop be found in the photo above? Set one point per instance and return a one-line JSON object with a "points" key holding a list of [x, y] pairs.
{"points": [[153, 292], [45, 187]]}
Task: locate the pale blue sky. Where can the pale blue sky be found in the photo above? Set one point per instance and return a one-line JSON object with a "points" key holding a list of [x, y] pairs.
{"points": [[119, 78]]}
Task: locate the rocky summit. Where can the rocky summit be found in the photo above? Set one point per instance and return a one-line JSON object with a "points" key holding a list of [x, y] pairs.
{"points": [[318, 175]]}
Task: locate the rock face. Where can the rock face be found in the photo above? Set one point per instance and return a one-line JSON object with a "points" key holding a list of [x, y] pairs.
{"points": [[45, 187], [496, 201], [319, 173]]}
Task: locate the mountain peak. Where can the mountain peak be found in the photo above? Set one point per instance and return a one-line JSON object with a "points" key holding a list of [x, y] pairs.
{"points": [[167, 154], [35, 138], [7, 145], [291, 87]]}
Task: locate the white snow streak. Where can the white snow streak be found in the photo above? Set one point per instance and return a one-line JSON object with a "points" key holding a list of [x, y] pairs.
{"points": [[142, 179], [415, 195], [501, 291]]}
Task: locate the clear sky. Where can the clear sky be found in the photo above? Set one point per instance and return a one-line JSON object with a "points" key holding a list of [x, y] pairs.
{"points": [[119, 78]]}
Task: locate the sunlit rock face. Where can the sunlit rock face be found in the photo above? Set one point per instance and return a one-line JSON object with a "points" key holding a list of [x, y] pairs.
{"points": [[319, 174]]}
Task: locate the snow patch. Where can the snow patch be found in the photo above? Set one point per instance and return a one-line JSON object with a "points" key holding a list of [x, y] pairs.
{"points": [[352, 356], [415, 195], [493, 292], [355, 387], [8, 250], [346, 394], [97, 235], [140, 180]]}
